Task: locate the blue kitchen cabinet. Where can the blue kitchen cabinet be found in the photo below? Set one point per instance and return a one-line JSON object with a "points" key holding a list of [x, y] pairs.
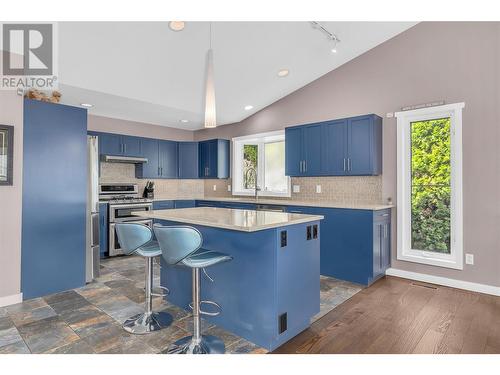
{"points": [[110, 144], [305, 151], [293, 151], [168, 159], [351, 146], [163, 205], [355, 244], [118, 145], [54, 198], [150, 151], [103, 229], [335, 145], [314, 150], [188, 159], [186, 203], [364, 149], [214, 158], [199, 203], [131, 145]]}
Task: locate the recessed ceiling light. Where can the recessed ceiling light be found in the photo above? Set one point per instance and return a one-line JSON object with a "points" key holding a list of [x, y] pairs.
{"points": [[248, 107], [184, 120], [86, 105], [334, 50], [176, 25], [283, 73]]}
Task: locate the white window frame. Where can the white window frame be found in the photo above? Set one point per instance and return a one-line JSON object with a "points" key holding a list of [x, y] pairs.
{"points": [[405, 252], [255, 139]]}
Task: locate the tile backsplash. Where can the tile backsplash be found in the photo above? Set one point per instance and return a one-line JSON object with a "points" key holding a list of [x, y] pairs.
{"points": [[168, 189], [351, 189]]}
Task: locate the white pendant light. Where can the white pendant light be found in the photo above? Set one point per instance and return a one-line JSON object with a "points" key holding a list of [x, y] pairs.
{"points": [[210, 113]]}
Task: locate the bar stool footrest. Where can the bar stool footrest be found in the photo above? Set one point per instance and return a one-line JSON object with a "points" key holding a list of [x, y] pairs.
{"points": [[167, 291], [211, 303]]}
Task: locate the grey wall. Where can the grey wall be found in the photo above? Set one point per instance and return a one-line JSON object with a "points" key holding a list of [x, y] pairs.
{"points": [[453, 62], [11, 113], [139, 129]]}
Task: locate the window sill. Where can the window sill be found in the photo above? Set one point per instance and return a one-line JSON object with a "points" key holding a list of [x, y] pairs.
{"points": [[431, 260], [261, 194]]}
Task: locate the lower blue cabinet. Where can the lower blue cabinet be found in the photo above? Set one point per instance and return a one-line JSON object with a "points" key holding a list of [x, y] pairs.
{"points": [[103, 229], [188, 203], [355, 244], [163, 205]]}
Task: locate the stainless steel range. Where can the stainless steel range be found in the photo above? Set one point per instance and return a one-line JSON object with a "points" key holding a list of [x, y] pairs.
{"points": [[123, 200]]}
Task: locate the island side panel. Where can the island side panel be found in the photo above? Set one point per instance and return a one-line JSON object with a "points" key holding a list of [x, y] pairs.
{"points": [[245, 287], [298, 286]]}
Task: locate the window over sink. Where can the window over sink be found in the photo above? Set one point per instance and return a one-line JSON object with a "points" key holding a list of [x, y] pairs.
{"points": [[259, 164]]}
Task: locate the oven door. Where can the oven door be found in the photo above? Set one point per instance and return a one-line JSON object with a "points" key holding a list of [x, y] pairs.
{"points": [[124, 212], [114, 244]]}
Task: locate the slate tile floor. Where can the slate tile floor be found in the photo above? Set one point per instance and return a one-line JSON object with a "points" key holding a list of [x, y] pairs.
{"points": [[88, 319]]}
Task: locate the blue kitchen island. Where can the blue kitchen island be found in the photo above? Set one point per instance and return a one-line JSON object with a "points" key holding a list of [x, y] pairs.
{"points": [[271, 289]]}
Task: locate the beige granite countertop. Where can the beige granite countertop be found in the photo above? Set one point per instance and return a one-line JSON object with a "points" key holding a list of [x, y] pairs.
{"points": [[227, 218], [290, 202]]}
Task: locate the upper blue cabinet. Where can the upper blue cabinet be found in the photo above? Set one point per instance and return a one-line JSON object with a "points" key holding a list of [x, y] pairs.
{"points": [[214, 158], [188, 159], [351, 146], [162, 159], [119, 145]]}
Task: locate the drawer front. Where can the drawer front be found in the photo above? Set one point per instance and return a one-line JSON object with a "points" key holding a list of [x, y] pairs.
{"points": [[163, 205]]}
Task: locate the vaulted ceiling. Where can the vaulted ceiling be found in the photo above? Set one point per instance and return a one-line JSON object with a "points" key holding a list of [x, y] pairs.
{"points": [[144, 71]]}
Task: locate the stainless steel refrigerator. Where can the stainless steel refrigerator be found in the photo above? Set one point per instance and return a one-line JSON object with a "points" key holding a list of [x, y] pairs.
{"points": [[92, 251]]}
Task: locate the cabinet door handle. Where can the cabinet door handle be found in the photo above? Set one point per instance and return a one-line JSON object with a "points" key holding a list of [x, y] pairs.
{"points": [[344, 164], [300, 166], [385, 230], [124, 148], [305, 165], [348, 164]]}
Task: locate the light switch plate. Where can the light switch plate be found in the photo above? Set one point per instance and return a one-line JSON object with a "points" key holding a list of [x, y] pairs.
{"points": [[296, 188], [469, 259], [318, 189], [228, 187], [215, 187]]}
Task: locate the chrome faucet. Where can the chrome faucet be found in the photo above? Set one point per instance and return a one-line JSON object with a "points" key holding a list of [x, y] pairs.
{"points": [[257, 188]]}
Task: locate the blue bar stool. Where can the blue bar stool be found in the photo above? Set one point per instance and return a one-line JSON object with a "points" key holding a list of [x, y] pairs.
{"points": [[181, 245], [138, 239]]}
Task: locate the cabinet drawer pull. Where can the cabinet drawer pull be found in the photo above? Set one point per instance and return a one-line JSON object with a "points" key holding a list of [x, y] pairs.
{"points": [[384, 215]]}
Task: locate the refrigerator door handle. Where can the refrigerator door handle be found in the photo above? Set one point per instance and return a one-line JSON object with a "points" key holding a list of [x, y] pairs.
{"points": [[94, 235]]}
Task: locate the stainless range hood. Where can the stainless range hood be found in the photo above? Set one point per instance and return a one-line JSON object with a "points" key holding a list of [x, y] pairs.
{"points": [[124, 159]]}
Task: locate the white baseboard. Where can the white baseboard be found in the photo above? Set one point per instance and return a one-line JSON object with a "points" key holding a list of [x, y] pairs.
{"points": [[459, 284], [10, 300]]}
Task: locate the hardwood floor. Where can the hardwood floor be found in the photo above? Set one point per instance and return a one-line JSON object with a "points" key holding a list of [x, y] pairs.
{"points": [[396, 315]]}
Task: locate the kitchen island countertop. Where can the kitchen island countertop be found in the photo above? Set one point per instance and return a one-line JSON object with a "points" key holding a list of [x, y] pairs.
{"points": [[233, 219]]}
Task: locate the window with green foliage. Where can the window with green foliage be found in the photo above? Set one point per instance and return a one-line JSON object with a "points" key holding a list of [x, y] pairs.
{"points": [[249, 165], [259, 165], [430, 198], [430, 185]]}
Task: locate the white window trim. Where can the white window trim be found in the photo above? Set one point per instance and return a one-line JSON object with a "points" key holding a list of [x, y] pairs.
{"points": [[404, 119], [255, 139]]}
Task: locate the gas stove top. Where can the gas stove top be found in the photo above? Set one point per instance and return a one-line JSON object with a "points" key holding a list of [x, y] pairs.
{"points": [[121, 193], [125, 200]]}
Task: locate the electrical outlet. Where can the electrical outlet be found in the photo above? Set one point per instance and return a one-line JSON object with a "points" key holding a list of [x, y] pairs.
{"points": [[296, 188], [215, 187], [318, 189], [228, 187], [469, 259]]}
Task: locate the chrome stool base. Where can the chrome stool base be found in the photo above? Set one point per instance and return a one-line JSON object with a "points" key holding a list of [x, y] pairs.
{"points": [[207, 345], [143, 323]]}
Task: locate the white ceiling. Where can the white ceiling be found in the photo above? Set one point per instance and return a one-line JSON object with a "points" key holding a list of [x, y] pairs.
{"points": [[143, 71]]}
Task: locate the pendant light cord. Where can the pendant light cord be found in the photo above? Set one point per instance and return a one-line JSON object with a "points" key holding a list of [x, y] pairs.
{"points": [[210, 35]]}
